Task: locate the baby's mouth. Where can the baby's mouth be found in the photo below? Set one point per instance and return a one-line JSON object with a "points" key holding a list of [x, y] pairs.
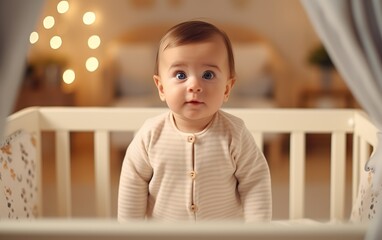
{"points": [[194, 102]]}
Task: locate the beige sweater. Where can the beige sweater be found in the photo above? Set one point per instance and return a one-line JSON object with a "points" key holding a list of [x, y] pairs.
{"points": [[216, 174]]}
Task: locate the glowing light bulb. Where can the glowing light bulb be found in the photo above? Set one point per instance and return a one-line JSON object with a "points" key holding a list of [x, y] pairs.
{"points": [[55, 42], [89, 18], [33, 38], [69, 76], [63, 7], [48, 22], [92, 64], [94, 41]]}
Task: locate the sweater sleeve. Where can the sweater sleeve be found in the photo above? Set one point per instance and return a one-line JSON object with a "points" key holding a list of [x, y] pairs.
{"points": [[133, 185], [254, 183]]}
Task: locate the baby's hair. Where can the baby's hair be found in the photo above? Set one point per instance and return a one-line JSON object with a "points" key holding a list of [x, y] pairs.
{"points": [[194, 32]]}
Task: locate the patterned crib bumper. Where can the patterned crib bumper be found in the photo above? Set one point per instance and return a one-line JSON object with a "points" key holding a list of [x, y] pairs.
{"points": [[18, 178]]}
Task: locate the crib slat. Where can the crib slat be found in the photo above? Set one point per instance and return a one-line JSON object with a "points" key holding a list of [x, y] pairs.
{"points": [[258, 136], [337, 173], [356, 167], [297, 175], [102, 173], [64, 193]]}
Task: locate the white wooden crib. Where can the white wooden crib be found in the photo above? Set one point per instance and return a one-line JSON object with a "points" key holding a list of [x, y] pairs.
{"points": [[296, 123]]}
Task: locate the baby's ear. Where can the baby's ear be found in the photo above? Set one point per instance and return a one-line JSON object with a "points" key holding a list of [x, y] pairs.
{"points": [[160, 88], [228, 88]]}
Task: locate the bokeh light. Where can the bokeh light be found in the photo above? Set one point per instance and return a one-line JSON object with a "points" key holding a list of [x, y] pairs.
{"points": [[89, 18], [63, 7], [69, 76], [33, 37], [94, 41], [48, 22], [92, 64], [55, 42]]}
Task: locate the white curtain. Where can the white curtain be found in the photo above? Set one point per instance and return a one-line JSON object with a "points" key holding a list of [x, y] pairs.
{"points": [[17, 20], [351, 31]]}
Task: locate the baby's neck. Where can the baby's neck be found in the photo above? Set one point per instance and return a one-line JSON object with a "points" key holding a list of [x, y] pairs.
{"points": [[192, 126]]}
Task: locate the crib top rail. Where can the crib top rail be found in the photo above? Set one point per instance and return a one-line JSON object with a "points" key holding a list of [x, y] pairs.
{"points": [[130, 119], [111, 230]]}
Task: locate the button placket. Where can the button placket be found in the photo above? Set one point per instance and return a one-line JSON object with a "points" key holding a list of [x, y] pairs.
{"points": [[193, 208]]}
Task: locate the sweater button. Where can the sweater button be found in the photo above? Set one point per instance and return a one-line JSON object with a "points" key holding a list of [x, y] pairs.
{"points": [[193, 174], [194, 208], [191, 139]]}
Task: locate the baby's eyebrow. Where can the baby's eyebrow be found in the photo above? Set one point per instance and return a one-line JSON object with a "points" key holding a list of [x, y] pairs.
{"points": [[212, 66], [177, 64], [181, 64]]}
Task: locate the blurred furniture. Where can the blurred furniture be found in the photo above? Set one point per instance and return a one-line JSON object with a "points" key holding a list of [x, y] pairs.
{"points": [[333, 97], [43, 96], [324, 89], [41, 86]]}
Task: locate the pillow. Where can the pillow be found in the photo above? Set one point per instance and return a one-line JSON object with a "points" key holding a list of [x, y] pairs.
{"points": [[18, 178], [252, 70], [135, 64]]}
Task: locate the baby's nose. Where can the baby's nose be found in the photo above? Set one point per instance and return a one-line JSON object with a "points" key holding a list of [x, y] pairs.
{"points": [[194, 85]]}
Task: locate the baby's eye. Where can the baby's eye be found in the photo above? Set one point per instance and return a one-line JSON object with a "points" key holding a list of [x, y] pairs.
{"points": [[180, 75], [208, 75]]}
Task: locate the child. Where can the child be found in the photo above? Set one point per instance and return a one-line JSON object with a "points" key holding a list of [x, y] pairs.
{"points": [[196, 162]]}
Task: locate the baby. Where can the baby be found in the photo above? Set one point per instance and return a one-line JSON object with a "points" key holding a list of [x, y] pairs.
{"points": [[195, 162]]}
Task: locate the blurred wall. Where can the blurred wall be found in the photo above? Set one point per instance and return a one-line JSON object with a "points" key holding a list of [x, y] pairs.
{"points": [[283, 23]]}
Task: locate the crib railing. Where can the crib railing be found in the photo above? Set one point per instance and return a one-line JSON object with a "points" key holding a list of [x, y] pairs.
{"points": [[295, 122]]}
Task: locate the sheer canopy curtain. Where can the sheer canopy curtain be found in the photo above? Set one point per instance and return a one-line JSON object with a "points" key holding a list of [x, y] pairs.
{"points": [[351, 31], [17, 20]]}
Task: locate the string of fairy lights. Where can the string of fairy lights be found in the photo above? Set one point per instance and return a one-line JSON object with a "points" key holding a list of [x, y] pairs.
{"points": [[94, 41]]}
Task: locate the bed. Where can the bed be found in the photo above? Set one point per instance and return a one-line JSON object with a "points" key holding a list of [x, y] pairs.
{"points": [[25, 128]]}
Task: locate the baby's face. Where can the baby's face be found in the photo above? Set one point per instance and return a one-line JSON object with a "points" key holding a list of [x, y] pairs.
{"points": [[194, 80]]}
